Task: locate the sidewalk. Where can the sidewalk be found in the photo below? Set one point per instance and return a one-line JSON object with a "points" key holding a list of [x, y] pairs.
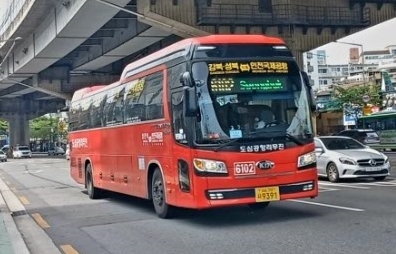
{"points": [[11, 241], [5, 242]]}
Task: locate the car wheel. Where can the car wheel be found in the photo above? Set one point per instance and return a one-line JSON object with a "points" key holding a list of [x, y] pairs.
{"points": [[332, 173], [379, 178], [158, 194]]}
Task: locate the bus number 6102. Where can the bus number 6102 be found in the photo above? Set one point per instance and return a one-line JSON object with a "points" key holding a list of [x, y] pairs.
{"points": [[244, 168]]}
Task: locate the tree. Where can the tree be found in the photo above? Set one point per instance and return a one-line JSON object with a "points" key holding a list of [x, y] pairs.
{"points": [[40, 127], [350, 99]]}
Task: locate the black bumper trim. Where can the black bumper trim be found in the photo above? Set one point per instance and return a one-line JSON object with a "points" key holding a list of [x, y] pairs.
{"points": [[250, 193]]}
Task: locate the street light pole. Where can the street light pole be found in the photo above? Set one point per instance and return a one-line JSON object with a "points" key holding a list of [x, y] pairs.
{"points": [[363, 61]]}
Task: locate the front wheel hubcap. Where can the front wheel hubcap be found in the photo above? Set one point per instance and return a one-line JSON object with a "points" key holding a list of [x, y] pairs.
{"points": [[158, 192], [332, 173]]}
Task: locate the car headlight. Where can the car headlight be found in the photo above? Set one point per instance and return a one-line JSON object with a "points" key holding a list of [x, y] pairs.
{"points": [[347, 161], [386, 158], [306, 159], [210, 166]]}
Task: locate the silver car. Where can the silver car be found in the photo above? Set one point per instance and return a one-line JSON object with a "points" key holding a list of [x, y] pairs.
{"points": [[343, 157]]}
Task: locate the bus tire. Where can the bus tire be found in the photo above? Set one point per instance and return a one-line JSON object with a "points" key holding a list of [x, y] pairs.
{"points": [[93, 192], [158, 194]]}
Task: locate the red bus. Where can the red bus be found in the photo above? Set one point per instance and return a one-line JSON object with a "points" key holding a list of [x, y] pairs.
{"points": [[207, 122]]}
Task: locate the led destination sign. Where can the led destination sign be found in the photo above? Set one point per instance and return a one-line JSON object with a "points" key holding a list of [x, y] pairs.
{"points": [[248, 67], [241, 85]]}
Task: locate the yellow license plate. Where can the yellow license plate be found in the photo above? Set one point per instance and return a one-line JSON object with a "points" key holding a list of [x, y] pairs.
{"points": [[267, 194]]}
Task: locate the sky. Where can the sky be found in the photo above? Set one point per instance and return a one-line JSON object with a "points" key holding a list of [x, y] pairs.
{"points": [[373, 38]]}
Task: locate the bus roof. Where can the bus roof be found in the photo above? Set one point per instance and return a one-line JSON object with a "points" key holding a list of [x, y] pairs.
{"points": [[87, 91], [185, 44]]}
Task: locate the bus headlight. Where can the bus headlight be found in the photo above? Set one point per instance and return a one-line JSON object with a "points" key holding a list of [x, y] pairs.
{"points": [[306, 159], [210, 166]]}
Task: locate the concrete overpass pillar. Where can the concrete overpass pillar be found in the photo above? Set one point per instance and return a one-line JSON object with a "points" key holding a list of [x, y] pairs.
{"points": [[19, 130]]}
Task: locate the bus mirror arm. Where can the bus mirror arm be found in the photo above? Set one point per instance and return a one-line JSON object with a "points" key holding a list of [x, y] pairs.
{"points": [[185, 79], [311, 95], [190, 105]]}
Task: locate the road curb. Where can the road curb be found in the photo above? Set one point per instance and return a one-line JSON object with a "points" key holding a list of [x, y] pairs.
{"points": [[42, 243], [18, 243]]}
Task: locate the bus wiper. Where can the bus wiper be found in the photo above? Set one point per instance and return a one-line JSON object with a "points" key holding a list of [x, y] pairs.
{"points": [[250, 135], [227, 144], [287, 135]]}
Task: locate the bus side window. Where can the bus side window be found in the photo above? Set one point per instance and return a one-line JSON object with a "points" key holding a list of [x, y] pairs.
{"points": [[177, 115], [153, 92]]}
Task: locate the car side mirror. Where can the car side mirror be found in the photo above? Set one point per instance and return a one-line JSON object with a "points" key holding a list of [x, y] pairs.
{"points": [[319, 150]]}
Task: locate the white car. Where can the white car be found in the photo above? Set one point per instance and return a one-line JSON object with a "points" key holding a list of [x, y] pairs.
{"points": [[3, 156], [56, 151], [21, 152], [342, 157]]}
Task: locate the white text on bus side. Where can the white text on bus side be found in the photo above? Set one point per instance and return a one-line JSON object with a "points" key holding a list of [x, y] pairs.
{"points": [[80, 142]]}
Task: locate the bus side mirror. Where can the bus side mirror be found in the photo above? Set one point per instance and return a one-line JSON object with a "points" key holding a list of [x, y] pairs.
{"points": [[311, 95], [190, 104], [190, 101]]}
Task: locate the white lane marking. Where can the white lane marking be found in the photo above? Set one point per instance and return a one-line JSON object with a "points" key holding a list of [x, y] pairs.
{"points": [[328, 205], [381, 184], [327, 189], [343, 185], [32, 171]]}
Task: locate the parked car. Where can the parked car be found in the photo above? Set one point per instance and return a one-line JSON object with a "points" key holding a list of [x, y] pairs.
{"points": [[56, 151], [365, 136], [3, 156], [343, 157], [21, 152]]}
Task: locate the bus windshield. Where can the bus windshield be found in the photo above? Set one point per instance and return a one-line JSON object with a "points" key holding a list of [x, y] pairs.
{"points": [[250, 100]]}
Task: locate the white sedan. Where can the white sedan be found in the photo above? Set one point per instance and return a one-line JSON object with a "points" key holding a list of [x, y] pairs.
{"points": [[3, 156], [342, 157], [22, 152]]}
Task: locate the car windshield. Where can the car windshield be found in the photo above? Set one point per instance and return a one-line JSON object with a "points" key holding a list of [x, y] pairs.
{"points": [[23, 148], [341, 143], [250, 100], [1, 152]]}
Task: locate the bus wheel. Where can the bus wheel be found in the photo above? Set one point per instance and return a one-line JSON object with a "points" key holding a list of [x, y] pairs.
{"points": [[93, 192], [259, 206], [332, 173], [158, 193]]}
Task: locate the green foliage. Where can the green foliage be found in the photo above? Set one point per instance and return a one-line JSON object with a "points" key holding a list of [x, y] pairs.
{"points": [[350, 99], [40, 127], [3, 127], [353, 95]]}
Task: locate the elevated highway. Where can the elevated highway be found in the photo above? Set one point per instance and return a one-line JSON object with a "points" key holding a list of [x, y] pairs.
{"points": [[69, 44]]}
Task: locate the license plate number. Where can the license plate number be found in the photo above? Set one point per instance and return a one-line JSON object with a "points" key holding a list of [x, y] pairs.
{"points": [[244, 168], [267, 194], [373, 169]]}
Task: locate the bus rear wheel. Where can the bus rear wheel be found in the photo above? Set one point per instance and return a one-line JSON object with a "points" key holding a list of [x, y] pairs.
{"points": [[158, 194], [93, 192]]}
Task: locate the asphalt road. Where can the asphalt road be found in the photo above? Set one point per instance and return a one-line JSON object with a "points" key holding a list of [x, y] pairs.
{"points": [[348, 217]]}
